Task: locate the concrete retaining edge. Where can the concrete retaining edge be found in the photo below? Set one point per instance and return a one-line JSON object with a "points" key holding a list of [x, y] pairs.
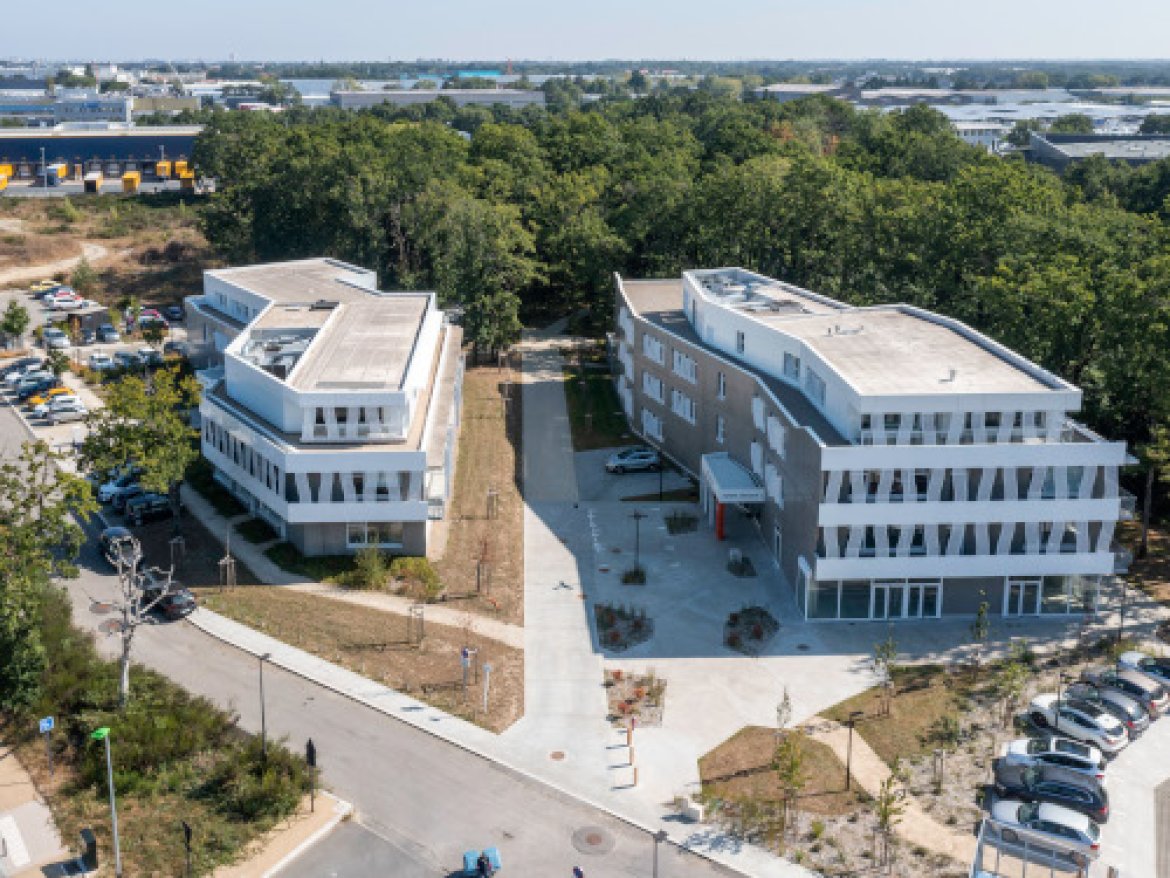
{"points": [[343, 810]]}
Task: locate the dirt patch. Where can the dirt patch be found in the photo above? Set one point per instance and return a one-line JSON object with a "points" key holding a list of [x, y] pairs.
{"points": [[640, 697], [749, 630], [491, 531], [833, 829], [619, 628], [380, 646], [596, 418], [197, 565]]}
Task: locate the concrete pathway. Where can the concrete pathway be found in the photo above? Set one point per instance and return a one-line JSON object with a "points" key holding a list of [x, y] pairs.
{"points": [[869, 771], [28, 836], [546, 439]]}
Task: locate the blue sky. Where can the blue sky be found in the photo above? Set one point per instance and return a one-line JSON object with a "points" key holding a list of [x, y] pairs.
{"points": [[479, 29]]}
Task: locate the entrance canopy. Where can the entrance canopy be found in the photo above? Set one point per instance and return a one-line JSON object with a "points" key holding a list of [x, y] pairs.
{"points": [[730, 482]]}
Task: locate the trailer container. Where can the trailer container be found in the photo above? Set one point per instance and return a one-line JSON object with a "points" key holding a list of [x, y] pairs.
{"points": [[180, 168], [7, 170], [93, 181], [131, 181], [3, 182], [187, 181], [162, 170]]}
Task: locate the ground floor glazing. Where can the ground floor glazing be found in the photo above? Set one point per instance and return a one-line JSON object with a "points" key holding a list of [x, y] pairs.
{"points": [[909, 599]]}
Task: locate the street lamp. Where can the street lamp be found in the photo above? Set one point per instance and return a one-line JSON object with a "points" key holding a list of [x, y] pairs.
{"points": [[263, 723], [1061, 679], [638, 516], [854, 716], [103, 734], [44, 170], [659, 837]]}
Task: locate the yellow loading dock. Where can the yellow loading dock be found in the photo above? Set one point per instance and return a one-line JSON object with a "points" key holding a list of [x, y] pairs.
{"points": [[131, 180], [162, 170]]}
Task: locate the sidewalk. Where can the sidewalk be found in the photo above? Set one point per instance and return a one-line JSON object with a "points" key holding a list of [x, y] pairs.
{"points": [[28, 835]]}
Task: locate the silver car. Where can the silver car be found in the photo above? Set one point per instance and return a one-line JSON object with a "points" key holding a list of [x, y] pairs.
{"points": [[1157, 667], [1128, 710], [1150, 693], [72, 412], [639, 458], [1052, 826]]}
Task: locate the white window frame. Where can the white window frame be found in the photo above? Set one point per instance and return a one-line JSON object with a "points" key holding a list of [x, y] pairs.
{"points": [[682, 405], [740, 342], [357, 534], [814, 386], [653, 348], [721, 386], [684, 366], [652, 386], [720, 429], [651, 424], [791, 368]]}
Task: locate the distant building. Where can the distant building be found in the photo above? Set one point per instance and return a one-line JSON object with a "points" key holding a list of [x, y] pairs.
{"points": [[895, 463], [1057, 151], [462, 97], [172, 104], [94, 108], [988, 135], [114, 149], [331, 409], [783, 92]]}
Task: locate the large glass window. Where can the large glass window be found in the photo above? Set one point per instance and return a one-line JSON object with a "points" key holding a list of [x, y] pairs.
{"points": [[383, 534], [855, 599], [823, 600], [1054, 596]]}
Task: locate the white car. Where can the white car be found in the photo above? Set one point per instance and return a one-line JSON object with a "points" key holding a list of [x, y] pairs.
{"points": [[1155, 667], [55, 339], [101, 362], [1065, 752], [61, 400], [1052, 826], [1084, 722], [66, 303], [75, 411]]}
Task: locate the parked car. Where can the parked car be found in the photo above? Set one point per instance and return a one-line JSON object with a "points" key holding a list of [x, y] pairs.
{"points": [[55, 339], [106, 541], [1055, 750], [127, 360], [87, 336], [66, 302], [150, 356], [1049, 825], [155, 319], [148, 507], [1051, 783], [52, 291], [1080, 721], [53, 398], [1129, 710], [108, 489], [173, 604], [73, 411], [42, 286], [17, 368], [1150, 693], [634, 459], [43, 398], [122, 496], [1157, 668], [175, 313], [101, 362], [32, 388], [108, 334]]}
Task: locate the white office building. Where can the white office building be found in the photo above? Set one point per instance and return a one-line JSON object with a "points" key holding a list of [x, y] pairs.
{"points": [[331, 409], [897, 463]]}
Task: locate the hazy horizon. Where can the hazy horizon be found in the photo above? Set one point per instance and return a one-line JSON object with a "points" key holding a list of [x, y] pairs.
{"points": [[606, 30]]}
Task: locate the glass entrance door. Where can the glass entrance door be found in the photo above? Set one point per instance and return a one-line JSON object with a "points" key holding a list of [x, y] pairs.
{"points": [[1022, 597]]}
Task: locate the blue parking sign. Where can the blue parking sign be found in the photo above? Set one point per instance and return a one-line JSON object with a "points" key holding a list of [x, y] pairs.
{"points": [[46, 725]]}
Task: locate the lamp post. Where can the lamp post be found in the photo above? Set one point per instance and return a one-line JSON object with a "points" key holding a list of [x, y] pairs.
{"points": [[103, 734], [44, 170], [659, 837], [638, 515], [1061, 679], [263, 722], [854, 716]]}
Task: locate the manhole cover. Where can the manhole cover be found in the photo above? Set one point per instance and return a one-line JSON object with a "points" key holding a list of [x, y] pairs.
{"points": [[110, 626], [803, 647], [557, 755], [593, 840], [100, 608]]}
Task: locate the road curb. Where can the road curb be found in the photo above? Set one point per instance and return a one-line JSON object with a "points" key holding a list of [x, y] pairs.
{"points": [[515, 771], [344, 809]]}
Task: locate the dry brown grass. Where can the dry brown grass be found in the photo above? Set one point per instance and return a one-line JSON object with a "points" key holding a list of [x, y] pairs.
{"points": [[489, 456], [1151, 573], [375, 645], [741, 768], [33, 249]]}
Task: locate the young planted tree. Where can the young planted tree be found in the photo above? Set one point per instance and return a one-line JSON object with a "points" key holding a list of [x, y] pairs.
{"points": [[58, 362], [39, 539], [888, 805], [791, 772], [147, 425], [84, 278], [1013, 676], [14, 323], [980, 630], [884, 655]]}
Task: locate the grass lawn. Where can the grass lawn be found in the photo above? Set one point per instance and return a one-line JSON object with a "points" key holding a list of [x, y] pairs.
{"points": [[595, 412], [741, 768], [322, 568], [489, 457], [199, 477], [926, 693], [1152, 573], [375, 645]]}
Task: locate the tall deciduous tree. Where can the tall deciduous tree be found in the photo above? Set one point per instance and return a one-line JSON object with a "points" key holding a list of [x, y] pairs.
{"points": [[147, 424], [15, 322]]}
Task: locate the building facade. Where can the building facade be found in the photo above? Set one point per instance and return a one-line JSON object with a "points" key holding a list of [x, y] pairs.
{"points": [[898, 464], [461, 97], [330, 409]]}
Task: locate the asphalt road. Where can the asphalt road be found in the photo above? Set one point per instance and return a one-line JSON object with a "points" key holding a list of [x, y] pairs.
{"points": [[421, 800]]}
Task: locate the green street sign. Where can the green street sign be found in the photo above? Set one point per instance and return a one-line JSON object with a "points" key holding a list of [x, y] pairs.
{"points": [[100, 734]]}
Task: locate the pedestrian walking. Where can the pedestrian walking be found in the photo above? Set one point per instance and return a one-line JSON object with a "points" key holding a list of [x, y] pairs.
{"points": [[577, 873]]}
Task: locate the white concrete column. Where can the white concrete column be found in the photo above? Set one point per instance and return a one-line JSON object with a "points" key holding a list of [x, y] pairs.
{"points": [[1011, 483], [986, 482], [1052, 545], [935, 485], [348, 488], [1003, 545], [304, 493], [905, 538], [330, 421], [960, 481], [955, 540], [1006, 421], [1032, 537], [932, 543], [1036, 485], [856, 538], [370, 486], [1060, 482], [832, 542], [929, 429], [833, 487], [1088, 480], [308, 419], [954, 428], [982, 539], [881, 540], [978, 428], [857, 486], [885, 482], [1111, 487], [1105, 536], [1082, 537]]}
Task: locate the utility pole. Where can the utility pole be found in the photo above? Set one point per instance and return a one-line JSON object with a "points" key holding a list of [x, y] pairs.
{"points": [[638, 515], [263, 722], [44, 170], [853, 718]]}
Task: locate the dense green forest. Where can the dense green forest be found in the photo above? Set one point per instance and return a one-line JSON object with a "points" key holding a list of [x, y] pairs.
{"points": [[526, 214]]}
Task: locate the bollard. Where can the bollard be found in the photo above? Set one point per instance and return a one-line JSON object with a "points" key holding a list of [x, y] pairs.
{"points": [[629, 736], [631, 756], [635, 783]]}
